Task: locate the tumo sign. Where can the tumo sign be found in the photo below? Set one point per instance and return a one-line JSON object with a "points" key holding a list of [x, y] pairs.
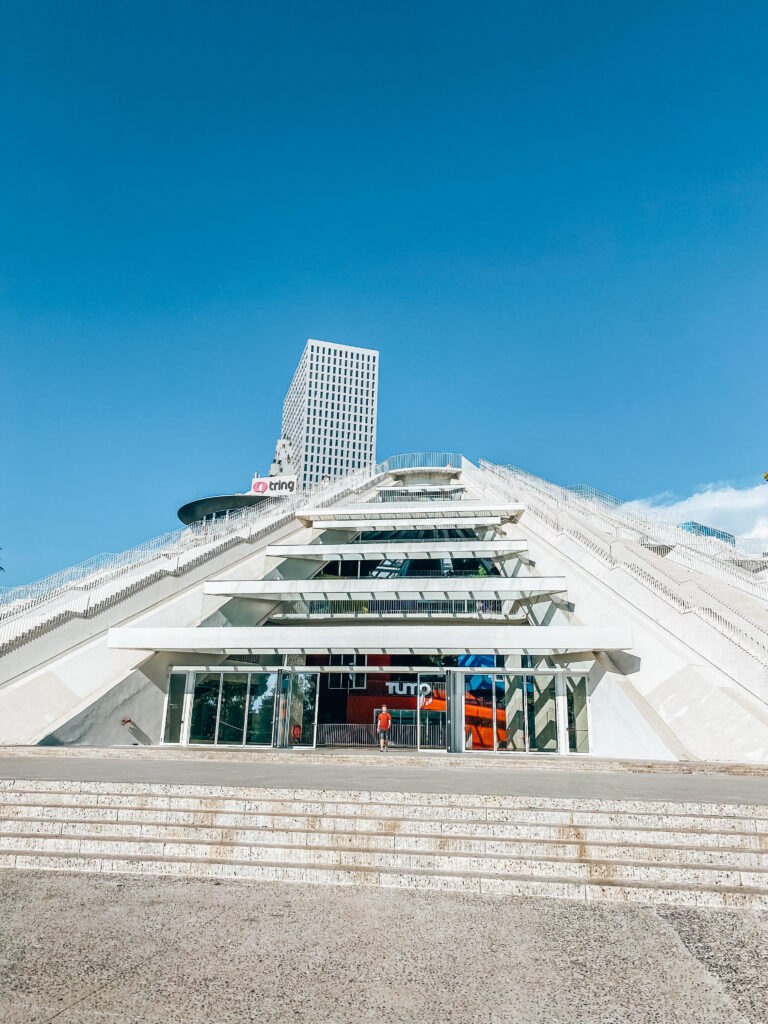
{"points": [[402, 689], [274, 485]]}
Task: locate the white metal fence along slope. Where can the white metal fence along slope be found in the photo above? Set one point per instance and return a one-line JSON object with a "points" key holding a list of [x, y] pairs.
{"points": [[616, 542], [89, 588], [646, 527]]}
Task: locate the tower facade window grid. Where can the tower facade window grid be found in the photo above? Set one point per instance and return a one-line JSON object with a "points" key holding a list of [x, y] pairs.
{"points": [[330, 409]]}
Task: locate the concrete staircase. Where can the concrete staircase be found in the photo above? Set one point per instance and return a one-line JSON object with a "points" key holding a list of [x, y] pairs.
{"points": [[690, 853]]}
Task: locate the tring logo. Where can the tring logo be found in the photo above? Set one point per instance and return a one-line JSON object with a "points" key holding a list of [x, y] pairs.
{"points": [[274, 484]]}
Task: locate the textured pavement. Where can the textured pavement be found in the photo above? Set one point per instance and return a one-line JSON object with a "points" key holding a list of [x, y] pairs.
{"points": [[384, 774], [81, 949]]}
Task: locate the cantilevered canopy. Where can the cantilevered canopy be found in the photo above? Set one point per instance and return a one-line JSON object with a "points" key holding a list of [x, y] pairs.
{"points": [[400, 549], [398, 488], [198, 509], [405, 511], [449, 523], [395, 588], [373, 639], [426, 471]]}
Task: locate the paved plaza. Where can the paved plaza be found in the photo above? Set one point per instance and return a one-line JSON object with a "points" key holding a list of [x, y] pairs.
{"points": [[385, 773], [83, 949]]}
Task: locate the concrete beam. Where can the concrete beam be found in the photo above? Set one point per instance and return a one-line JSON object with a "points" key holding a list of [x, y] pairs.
{"points": [[400, 549], [411, 510], [416, 588], [419, 488], [427, 471], [397, 638], [454, 523]]}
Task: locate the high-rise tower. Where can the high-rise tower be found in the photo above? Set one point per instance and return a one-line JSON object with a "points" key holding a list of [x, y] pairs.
{"points": [[329, 412]]}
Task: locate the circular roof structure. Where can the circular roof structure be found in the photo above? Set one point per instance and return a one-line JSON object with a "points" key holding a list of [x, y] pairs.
{"points": [[427, 471], [217, 506]]}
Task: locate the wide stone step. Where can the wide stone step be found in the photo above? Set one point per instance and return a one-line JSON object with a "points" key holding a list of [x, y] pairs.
{"points": [[391, 826], [405, 859], [563, 886], [571, 849], [378, 825], [658, 851], [363, 797], [390, 811]]}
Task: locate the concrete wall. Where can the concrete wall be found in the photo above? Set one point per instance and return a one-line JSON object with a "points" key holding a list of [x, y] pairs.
{"points": [[665, 695], [74, 677]]}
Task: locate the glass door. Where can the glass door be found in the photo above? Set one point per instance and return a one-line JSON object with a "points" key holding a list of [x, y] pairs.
{"points": [[509, 716], [234, 694], [260, 716], [431, 734], [205, 707], [524, 713], [174, 708], [578, 719], [478, 712], [510, 712], [228, 709], [297, 709], [541, 717]]}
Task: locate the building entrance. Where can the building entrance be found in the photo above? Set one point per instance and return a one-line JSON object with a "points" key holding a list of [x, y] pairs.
{"points": [[350, 703], [454, 709]]}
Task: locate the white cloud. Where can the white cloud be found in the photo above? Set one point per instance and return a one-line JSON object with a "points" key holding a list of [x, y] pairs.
{"points": [[741, 511]]}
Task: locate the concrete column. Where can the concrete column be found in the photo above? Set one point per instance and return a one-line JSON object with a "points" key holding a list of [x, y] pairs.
{"points": [[561, 714], [454, 703], [186, 720]]}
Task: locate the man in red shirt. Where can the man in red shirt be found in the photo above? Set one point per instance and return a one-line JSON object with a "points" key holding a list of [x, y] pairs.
{"points": [[384, 723]]}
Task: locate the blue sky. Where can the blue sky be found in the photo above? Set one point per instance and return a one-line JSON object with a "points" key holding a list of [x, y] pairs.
{"points": [[551, 218]]}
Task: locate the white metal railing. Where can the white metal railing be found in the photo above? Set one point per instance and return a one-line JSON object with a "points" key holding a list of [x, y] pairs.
{"points": [[346, 734], [351, 734], [376, 607], [622, 538], [103, 581], [425, 460], [403, 494], [652, 528]]}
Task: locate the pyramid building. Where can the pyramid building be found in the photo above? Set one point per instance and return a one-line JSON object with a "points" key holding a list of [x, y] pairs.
{"points": [[488, 609]]}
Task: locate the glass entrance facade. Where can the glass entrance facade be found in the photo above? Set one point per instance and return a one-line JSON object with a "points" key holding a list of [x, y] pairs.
{"points": [[313, 705], [511, 712], [230, 708]]}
